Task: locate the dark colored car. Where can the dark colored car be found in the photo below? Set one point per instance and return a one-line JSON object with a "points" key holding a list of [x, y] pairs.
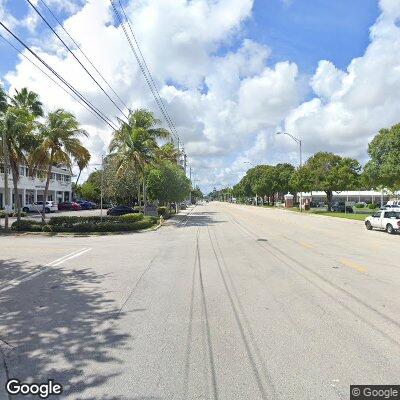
{"points": [[69, 206], [86, 205], [120, 210], [341, 207]]}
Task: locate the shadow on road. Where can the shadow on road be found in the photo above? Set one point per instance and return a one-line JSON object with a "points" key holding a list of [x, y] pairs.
{"points": [[200, 219], [56, 325]]}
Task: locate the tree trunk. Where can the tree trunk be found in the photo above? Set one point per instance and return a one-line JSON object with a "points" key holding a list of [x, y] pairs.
{"points": [[79, 175], [144, 193], [46, 188], [329, 196], [16, 195], [139, 202]]}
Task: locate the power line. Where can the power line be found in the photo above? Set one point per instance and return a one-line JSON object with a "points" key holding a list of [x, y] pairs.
{"points": [[148, 70], [140, 65], [76, 58], [83, 53], [72, 88], [45, 73]]}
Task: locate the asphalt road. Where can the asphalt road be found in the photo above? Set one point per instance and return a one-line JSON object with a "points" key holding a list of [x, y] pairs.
{"points": [[228, 302]]}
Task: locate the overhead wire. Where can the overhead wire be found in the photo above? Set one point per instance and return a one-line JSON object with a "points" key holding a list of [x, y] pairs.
{"points": [[63, 80], [148, 70], [75, 57], [46, 74], [84, 54], [142, 68]]}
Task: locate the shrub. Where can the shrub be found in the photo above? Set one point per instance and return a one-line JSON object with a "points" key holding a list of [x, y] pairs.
{"points": [[3, 214], [27, 225], [130, 218], [372, 206], [359, 206], [163, 211]]}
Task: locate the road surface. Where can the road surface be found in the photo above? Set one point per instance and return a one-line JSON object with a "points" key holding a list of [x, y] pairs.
{"points": [[228, 302]]}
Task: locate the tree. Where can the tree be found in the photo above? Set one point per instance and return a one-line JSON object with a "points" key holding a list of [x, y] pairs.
{"points": [[134, 145], [196, 194], [59, 145], [383, 169], [168, 183], [327, 172], [20, 125], [283, 174], [263, 181]]}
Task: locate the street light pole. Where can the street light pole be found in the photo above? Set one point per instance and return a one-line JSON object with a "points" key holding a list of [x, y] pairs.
{"points": [[300, 143]]}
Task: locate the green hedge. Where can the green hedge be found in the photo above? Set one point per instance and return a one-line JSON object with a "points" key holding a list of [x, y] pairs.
{"points": [[373, 206], [27, 225], [131, 217], [3, 214], [163, 211], [87, 224]]}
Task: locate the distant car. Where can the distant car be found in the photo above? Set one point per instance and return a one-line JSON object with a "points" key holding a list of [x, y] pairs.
{"points": [[387, 220], [361, 203], [51, 206], [390, 207], [86, 205], [120, 210], [340, 206], [69, 206]]}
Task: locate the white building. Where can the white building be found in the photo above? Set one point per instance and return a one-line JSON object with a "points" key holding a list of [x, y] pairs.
{"points": [[31, 189], [370, 196]]}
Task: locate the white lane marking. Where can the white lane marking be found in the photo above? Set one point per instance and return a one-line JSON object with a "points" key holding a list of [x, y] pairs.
{"points": [[24, 278], [71, 257], [184, 222]]}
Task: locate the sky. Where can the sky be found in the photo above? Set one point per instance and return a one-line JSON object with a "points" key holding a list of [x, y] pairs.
{"points": [[231, 73]]}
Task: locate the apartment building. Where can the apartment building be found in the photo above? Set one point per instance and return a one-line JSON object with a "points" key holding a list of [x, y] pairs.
{"points": [[31, 189]]}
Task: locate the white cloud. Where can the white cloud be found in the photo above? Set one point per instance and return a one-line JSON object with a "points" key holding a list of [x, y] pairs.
{"points": [[353, 105], [226, 104]]}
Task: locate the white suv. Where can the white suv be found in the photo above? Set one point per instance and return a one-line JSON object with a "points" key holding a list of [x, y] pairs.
{"points": [[51, 206]]}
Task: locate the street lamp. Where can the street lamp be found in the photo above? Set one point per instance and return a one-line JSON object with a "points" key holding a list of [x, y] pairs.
{"points": [[300, 143]]}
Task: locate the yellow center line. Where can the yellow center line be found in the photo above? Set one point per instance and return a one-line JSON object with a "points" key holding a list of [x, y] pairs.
{"points": [[306, 245], [352, 264]]}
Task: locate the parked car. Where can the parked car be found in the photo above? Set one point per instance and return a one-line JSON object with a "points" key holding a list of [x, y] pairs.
{"points": [[386, 220], [120, 210], [86, 205], [390, 206], [51, 206], [340, 206], [69, 206]]}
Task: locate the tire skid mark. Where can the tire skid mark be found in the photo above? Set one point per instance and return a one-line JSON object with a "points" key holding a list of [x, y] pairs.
{"points": [[239, 323], [281, 256], [207, 322]]}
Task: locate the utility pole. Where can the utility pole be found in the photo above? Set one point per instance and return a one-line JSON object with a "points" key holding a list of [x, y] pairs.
{"points": [[101, 189], [190, 178], [6, 192], [184, 161]]}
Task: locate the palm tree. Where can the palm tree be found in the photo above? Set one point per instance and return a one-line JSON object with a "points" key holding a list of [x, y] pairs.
{"points": [[3, 101], [20, 123], [134, 145], [168, 152], [82, 163], [60, 145]]}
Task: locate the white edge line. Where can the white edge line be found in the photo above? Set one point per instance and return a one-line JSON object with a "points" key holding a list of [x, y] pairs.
{"points": [[55, 263]]}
